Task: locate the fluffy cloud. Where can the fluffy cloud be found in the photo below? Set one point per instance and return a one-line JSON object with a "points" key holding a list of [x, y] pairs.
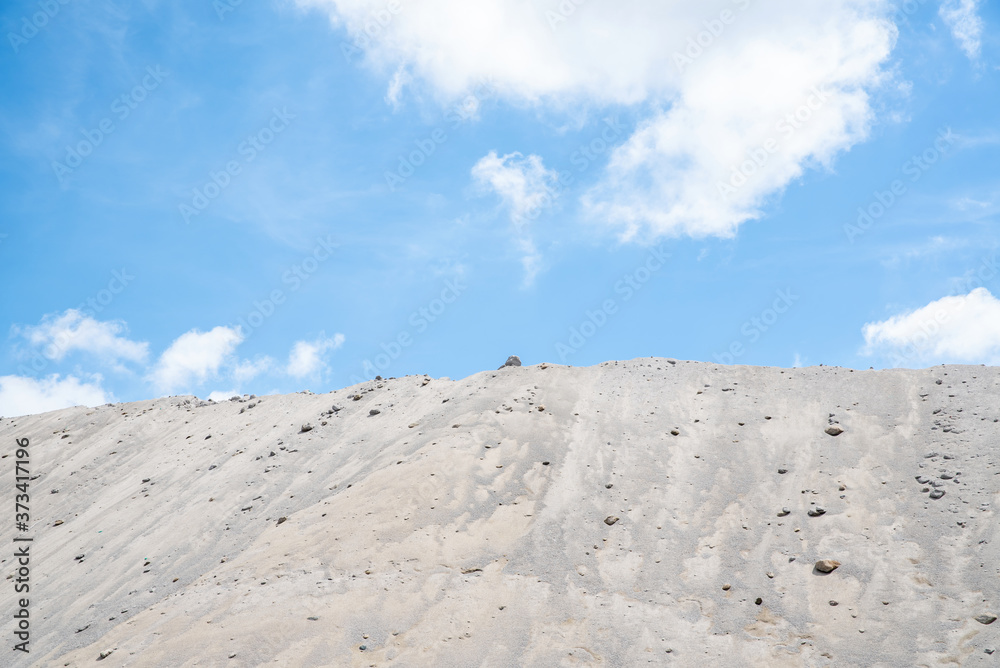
{"points": [[59, 335], [962, 328], [194, 357], [962, 17], [26, 396], [726, 79], [306, 358]]}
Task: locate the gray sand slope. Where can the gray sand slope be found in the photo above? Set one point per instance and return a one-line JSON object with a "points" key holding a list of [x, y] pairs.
{"points": [[464, 523]]}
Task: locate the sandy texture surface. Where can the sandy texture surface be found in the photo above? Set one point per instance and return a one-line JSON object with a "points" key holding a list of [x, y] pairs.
{"points": [[464, 524]]}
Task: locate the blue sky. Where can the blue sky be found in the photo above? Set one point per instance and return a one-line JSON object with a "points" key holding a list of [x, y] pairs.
{"points": [[205, 197]]}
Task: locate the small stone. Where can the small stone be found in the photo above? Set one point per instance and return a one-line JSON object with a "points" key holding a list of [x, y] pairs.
{"points": [[842, 488], [105, 654], [816, 512], [726, 587], [313, 619], [833, 603], [931, 455], [770, 576], [827, 565], [363, 647], [946, 476], [306, 427], [936, 494], [989, 650], [513, 360], [834, 430], [233, 655], [782, 471], [610, 519], [986, 619], [609, 486], [57, 523], [281, 520], [784, 511], [674, 432], [374, 411], [758, 601]]}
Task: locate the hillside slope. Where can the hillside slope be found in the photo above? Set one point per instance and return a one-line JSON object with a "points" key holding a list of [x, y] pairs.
{"points": [[464, 523]]}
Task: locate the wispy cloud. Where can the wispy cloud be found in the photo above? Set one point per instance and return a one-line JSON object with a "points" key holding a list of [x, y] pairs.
{"points": [[525, 187], [962, 17]]}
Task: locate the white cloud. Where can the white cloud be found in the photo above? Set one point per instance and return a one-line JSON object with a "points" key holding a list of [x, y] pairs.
{"points": [[525, 187], [194, 357], [962, 17], [523, 184], [712, 110], [399, 79], [958, 329], [20, 395], [59, 335], [306, 358], [247, 370]]}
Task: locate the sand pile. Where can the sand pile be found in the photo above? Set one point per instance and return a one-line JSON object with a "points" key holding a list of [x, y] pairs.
{"points": [[648, 512]]}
